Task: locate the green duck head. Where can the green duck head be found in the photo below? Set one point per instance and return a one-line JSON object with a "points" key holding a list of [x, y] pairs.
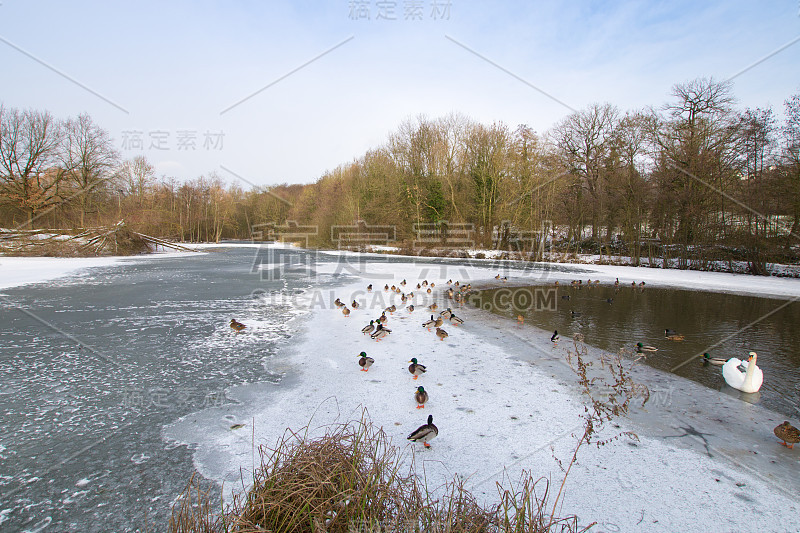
{"points": [[362, 354], [413, 360], [639, 344], [420, 389]]}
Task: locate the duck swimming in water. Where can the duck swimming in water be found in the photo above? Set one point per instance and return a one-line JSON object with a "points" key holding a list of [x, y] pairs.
{"points": [[708, 360], [673, 335]]}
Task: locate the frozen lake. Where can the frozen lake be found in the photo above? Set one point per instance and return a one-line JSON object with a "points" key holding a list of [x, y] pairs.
{"points": [[95, 366]]}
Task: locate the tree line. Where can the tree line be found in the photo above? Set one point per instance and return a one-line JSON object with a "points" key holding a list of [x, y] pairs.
{"points": [[695, 179]]}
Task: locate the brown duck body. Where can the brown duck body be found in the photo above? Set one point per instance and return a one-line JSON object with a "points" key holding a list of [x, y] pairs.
{"points": [[421, 396], [789, 434], [237, 326], [365, 362]]}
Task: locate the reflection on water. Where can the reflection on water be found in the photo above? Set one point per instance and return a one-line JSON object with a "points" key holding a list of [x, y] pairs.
{"points": [[725, 325]]}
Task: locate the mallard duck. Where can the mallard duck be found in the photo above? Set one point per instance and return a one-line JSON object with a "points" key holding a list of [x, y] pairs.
{"points": [[369, 287], [438, 322], [433, 307], [418, 286], [429, 323], [354, 305], [403, 283], [446, 314], [565, 297], [394, 288], [429, 290], [424, 433], [673, 335], [718, 361], [458, 283], [449, 281], [504, 279], [424, 282], [643, 348], [368, 328], [442, 334], [520, 320], [410, 308], [555, 337], [365, 362], [749, 381], [456, 321], [338, 303], [789, 434], [415, 368], [380, 332], [421, 396], [386, 287], [236, 325], [345, 311], [497, 276], [389, 309], [449, 294], [574, 314], [616, 283], [641, 285], [383, 318]]}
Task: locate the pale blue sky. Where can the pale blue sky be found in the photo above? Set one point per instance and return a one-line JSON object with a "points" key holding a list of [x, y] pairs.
{"points": [[176, 66]]}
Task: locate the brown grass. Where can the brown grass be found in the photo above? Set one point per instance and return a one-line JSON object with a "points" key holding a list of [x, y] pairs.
{"points": [[354, 479]]}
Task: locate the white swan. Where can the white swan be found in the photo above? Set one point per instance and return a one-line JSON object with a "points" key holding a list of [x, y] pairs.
{"points": [[749, 381]]}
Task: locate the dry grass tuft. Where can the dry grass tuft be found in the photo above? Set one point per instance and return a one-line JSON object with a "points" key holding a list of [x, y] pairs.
{"points": [[353, 479]]}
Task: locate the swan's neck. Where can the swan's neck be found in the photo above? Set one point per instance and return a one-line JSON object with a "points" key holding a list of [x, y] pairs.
{"points": [[748, 377]]}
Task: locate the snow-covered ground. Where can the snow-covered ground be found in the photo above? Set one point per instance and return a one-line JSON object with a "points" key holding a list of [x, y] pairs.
{"points": [[504, 401]]}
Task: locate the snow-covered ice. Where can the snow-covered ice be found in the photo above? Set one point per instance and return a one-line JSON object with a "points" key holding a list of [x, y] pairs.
{"points": [[504, 402]]}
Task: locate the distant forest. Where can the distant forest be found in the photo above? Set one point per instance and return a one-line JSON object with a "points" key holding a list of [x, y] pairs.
{"points": [[694, 179]]}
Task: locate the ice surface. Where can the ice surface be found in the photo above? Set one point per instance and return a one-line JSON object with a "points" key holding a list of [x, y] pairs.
{"points": [[505, 402]]}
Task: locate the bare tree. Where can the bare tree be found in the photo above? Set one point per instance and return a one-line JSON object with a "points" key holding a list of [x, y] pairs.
{"points": [[87, 159], [584, 139], [696, 140], [138, 176], [29, 142]]}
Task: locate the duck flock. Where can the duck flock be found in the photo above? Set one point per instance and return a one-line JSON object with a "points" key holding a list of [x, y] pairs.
{"points": [[378, 330], [742, 375]]}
